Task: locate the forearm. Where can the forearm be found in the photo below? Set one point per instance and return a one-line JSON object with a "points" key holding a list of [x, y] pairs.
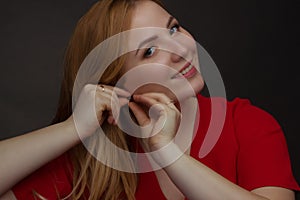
{"points": [[197, 181], [22, 155]]}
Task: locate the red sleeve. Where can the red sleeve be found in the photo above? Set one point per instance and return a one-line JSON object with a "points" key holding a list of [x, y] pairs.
{"points": [[263, 158], [52, 181]]}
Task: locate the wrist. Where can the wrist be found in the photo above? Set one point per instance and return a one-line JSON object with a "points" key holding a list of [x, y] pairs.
{"points": [[69, 128], [167, 154]]}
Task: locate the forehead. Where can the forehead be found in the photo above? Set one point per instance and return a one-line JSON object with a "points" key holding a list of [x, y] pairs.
{"points": [[149, 14]]}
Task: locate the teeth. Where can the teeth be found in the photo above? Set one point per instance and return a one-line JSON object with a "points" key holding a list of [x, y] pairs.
{"points": [[186, 69]]}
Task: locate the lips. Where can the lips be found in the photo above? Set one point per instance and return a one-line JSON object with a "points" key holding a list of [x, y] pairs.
{"points": [[187, 71]]}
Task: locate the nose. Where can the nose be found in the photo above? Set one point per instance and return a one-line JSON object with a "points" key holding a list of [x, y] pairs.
{"points": [[179, 51]]}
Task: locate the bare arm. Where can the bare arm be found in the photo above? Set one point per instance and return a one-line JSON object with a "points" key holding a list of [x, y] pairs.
{"points": [[23, 154], [197, 181], [192, 178]]}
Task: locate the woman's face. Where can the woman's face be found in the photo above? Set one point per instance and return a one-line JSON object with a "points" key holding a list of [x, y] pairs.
{"points": [[174, 48]]}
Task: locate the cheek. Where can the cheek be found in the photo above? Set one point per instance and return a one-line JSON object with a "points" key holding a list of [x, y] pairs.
{"points": [[187, 88], [149, 74], [159, 57]]}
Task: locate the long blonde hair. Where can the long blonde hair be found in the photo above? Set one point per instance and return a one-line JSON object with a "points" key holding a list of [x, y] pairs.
{"points": [[92, 179]]}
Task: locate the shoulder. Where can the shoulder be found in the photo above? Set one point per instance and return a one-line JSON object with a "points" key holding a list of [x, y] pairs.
{"points": [[239, 112], [252, 123], [261, 154]]}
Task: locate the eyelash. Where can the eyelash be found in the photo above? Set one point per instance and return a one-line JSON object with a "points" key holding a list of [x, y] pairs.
{"points": [[148, 50], [177, 26]]}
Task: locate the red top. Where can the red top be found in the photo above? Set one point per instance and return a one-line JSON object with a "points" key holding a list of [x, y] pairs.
{"points": [[250, 152]]}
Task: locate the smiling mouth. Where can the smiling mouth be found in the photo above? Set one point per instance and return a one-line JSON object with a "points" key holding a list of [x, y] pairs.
{"points": [[186, 72]]}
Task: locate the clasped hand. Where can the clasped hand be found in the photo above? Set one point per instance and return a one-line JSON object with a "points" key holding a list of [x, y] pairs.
{"points": [[95, 105], [162, 121]]}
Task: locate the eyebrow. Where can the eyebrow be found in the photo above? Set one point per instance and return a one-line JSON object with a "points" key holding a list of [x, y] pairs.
{"points": [[145, 42], [169, 21], [153, 37]]}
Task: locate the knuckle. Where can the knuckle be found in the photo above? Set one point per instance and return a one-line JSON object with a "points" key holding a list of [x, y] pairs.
{"points": [[88, 86], [85, 88], [164, 95], [90, 92], [177, 114], [89, 89]]}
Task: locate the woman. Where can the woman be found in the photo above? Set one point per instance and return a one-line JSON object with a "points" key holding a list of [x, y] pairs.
{"points": [[242, 165]]}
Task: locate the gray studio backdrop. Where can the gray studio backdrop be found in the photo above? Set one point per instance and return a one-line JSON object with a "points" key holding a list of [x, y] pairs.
{"points": [[247, 40]]}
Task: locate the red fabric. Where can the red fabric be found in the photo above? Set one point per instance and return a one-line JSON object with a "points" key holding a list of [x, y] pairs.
{"points": [[250, 152], [52, 181]]}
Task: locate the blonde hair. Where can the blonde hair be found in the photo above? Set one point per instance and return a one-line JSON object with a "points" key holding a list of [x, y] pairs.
{"points": [[92, 179]]}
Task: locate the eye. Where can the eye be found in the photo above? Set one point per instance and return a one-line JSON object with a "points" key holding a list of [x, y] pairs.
{"points": [[149, 52], [174, 29]]}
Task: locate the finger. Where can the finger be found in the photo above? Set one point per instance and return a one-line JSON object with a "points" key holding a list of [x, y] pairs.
{"points": [[108, 96], [110, 89], [162, 98], [123, 101], [102, 105], [115, 107], [121, 92], [156, 111], [147, 101], [139, 114], [105, 102], [110, 92], [112, 103], [120, 101], [110, 119]]}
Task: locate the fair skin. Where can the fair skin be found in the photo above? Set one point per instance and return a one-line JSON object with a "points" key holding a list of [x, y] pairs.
{"points": [[52, 141], [185, 177], [192, 178]]}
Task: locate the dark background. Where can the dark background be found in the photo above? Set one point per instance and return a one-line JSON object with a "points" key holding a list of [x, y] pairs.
{"points": [[254, 44]]}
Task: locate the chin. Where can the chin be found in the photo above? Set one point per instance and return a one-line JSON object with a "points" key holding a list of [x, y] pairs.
{"points": [[197, 83]]}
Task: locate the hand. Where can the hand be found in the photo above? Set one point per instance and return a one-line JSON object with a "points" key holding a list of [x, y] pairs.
{"points": [[94, 105], [161, 130]]}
